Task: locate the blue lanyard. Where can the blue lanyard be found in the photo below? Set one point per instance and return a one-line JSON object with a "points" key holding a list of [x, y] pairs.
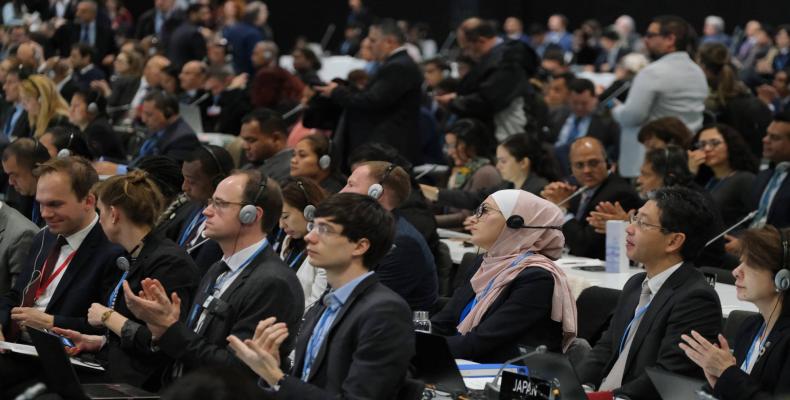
{"points": [[196, 221], [114, 294], [485, 291], [225, 277], [296, 259], [639, 313], [755, 343]]}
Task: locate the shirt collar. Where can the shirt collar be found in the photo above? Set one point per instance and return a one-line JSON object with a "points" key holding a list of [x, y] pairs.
{"points": [[400, 48], [236, 260], [87, 68], [657, 281], [344, 292], [75, 239]]}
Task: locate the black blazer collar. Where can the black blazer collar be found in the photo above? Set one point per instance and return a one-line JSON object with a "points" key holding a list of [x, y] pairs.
{"points": [[85, 252]]}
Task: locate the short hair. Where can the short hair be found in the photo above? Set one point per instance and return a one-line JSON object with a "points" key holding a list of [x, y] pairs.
{"points": [[476, 29], [165, 172], [389, 28], [28, 152], [397, 180], [84, 49], [79, 170], [568, 77], [555, 53], [739, 155], [135, 194], [269, 199], [667, 129], [685, 36], [542, 162], [361, 217], [439, 62], [269, 121], [299, 192], [687, 211], [70, 138], [671, 164], [215, 161], [378, 151], [762, 247], [581, 85], [164, 102]]}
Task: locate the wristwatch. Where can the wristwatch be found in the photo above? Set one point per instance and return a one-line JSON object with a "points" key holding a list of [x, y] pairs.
{"points": [[106, 315]]}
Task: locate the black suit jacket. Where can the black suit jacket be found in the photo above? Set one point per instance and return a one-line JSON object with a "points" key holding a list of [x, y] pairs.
{"points": [[146, 26], [233, 106], [365, 353], [68, 89], [685, 301], [177, 141], [768, 379], [580, 237], [186, 44], [520, 315], [86, 280], [129, 359], [206, 252], [69, 34], [123, 90], [266, 288], [103, 140], [779, 213], [22, 126], [602, 128], [387, 110]]}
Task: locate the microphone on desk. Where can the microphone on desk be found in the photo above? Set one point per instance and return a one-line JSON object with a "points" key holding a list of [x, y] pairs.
{"points": [[748, 217], [576, 193], [492, 388]]}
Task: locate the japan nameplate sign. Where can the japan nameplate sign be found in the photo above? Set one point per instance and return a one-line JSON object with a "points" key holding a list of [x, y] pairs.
{"points": [[522, 387]]}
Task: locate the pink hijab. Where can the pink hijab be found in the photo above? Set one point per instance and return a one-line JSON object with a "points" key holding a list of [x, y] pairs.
{"points": [[546, 244]]}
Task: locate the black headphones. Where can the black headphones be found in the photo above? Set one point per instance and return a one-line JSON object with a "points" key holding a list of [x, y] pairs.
{"points": [[309, 209], [248, 213], [517, 222], [782, 277], [221, 172], [377, 189]]}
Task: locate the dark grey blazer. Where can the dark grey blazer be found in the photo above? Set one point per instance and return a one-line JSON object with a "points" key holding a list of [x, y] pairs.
{"points": [[16, 235]]}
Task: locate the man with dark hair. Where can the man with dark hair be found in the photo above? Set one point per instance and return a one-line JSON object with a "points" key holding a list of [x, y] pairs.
{"points": [[357, 342], [264, 137], [669, 299], [203, 169], [771, 191], [87, 29], [85, 71], [186, 42], [672, 85], [250, 283], [582, 119], [388, 108], [169, 134], [409, 267], [20, 158]]}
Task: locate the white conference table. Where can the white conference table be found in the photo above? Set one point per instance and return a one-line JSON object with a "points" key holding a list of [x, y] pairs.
{"points": [[727, 296]]}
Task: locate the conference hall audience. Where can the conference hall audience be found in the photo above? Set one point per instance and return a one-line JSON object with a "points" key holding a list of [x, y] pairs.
{"points": [[20, 159]]}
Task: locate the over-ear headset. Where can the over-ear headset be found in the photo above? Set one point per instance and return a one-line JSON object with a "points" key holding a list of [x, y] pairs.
{"points": [[309, 209], [221, 172], [377, 189], [248, 213], [325, 161], [782, 277], [517, 222], [93, 105], [66, 151]]}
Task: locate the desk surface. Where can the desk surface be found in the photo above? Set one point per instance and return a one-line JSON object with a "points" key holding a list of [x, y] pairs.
{"points": [[727, 296]]}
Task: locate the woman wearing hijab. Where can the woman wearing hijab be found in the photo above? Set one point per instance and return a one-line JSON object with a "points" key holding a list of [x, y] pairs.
{"points": [[517, 294]]}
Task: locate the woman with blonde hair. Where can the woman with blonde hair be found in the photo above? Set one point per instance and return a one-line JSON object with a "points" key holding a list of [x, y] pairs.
{"points": [[45, 107]]}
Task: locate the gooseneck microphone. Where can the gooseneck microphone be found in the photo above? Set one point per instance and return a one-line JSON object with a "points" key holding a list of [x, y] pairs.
{"points": [[574, 194], [748, 217], [492, 388]]}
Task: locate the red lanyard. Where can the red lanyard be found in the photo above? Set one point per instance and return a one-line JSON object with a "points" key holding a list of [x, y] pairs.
{"points": [[44, 285]]}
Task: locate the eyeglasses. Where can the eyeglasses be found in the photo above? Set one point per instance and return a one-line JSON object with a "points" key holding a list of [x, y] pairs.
{"points": [[704, 144], [322, 230], [649, 35], [220, 204], [594, 163], [642, 225], [483, 209]]}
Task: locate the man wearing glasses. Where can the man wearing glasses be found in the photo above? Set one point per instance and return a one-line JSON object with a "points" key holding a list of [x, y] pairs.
{"points": [[670, 298], [356, 343], [250, 282], [590, 170]]}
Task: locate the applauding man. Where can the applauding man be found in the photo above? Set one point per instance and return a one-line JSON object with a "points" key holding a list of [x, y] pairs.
{"points": [[357, 342]]}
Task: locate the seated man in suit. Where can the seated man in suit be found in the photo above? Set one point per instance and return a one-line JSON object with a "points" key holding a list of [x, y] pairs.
{"points": [[84, 70], [227, 106], [357, 342], [169, 134], [250, 283], [16, 234], [580, 120], [590, 170], [20, 158], [69, 266], [86, 28], [14, 119], [264, 136], [656, 307], [408, 268]]}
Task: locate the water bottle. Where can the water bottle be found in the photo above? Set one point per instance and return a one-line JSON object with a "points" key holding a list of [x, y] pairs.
{"points": [[421, 322]]}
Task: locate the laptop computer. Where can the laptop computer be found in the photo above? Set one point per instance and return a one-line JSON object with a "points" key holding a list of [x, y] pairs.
{"points": [[60, 377], [673, 386], [191, 115], [434, 364]]}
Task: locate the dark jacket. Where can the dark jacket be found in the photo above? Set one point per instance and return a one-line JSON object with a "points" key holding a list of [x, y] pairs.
{"points": [[103, 140], [186, 44], [86, 280], [129, 360], [387, 110], [123, 90], [779, 213], [146, 26], [233, 106], [206, 252], [266, 288], [602, 128], [177, 141], [579, 235], [83, 80], [520, 315], [686, 301], [22, 126], [768, 379], [69, 34], [366, 351]]}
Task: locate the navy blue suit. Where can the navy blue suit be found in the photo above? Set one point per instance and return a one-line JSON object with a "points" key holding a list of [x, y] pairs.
{"points": [[779, 213]]}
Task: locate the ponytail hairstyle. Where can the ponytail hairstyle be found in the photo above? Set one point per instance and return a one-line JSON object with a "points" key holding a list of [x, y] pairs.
{"points": [[715, 57], [135, 194]]}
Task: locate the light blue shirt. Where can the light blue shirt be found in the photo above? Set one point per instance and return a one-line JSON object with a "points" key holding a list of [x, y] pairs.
{"points": [[567, 128], [91, 33], [8, 129]]}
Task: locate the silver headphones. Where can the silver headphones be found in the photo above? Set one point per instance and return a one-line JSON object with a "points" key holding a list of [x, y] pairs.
{"points": [[377, 189], [782, 277], [248, 213]]}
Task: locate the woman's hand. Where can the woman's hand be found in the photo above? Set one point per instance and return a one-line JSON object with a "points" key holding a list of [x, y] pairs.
{"points": [[712, 358], [82, 343], [430, 192], [95, 314], [606, 211], [696, 158]]}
